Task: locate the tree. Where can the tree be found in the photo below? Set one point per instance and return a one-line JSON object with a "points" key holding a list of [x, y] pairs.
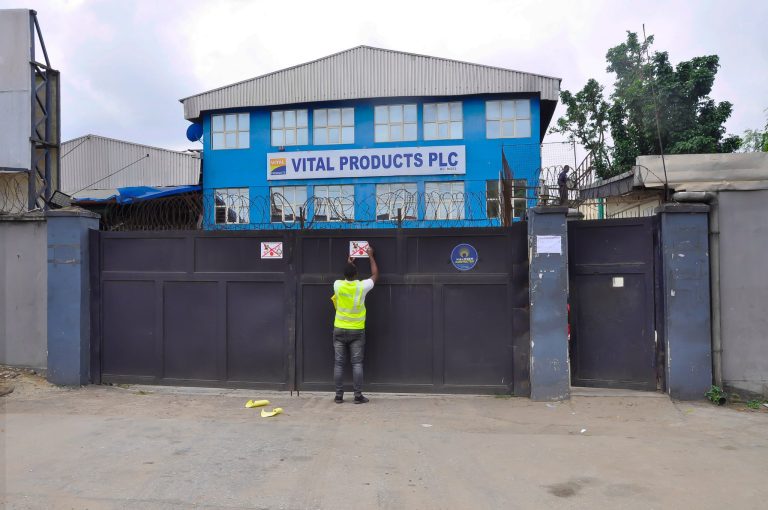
{"points": [[647, 91], [755, 140], [586, 121]]}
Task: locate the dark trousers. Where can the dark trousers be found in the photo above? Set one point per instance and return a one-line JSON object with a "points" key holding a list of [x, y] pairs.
{"points": [[354, 341]]}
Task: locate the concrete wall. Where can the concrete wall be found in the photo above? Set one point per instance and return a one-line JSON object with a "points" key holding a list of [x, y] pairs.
{"points": [[743, 218], [23, 290]]}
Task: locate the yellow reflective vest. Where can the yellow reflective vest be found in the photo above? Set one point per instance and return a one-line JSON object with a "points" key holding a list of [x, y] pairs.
{"points": [[350, 305]]}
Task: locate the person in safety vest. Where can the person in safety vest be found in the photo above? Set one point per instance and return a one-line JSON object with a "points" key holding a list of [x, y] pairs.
{"points": [[349, 326]]}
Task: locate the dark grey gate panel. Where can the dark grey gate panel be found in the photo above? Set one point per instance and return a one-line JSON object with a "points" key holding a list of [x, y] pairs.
{"points": [[188, 330], [203, 308], [407, 339], [130, 312], [256, 347], [430, 326], [194, 308], [478, 347], [611, 265]]}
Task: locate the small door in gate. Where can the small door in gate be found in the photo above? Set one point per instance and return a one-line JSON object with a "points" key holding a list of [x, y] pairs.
{"points": [[612, 289]]}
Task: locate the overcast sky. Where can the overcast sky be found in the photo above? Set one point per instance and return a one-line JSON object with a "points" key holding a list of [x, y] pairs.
{"points": [[125, 64]]}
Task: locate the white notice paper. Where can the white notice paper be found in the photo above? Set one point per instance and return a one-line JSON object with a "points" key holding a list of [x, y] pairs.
{"points": [[358, 249], [272, 250], [549, 244]]}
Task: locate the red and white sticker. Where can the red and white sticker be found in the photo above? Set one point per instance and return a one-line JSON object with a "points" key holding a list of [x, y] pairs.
{"points": [[358, 249], [272, 250]]}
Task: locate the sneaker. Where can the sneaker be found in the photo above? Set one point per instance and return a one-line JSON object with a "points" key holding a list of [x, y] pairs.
{"points": [[360, 399], [339, 398]]}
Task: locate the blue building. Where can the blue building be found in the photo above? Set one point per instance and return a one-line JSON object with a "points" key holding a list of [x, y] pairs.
{"points": [[372, 138]]}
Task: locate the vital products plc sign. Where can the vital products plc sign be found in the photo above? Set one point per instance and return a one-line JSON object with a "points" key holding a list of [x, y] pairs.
{"points": [[366, 163]]}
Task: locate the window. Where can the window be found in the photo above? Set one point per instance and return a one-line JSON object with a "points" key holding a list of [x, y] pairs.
{"points": [[520, 198], [443, 121], [334, 125], [395, 123], [334, 203], [508, 119], [286, 201], [391, 197], [289, 127], [444, 201], [230, 131], [495, 198], [232, 205]]}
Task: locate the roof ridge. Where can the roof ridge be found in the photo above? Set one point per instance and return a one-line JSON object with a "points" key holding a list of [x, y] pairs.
{"points": [[91, 135], [364, 46]]}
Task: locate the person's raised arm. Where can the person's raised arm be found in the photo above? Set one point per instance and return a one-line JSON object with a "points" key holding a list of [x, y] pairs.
{"points": [[374, 267]]}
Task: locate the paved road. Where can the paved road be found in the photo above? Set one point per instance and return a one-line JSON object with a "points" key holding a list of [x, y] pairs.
{"points": [[116, 448]]}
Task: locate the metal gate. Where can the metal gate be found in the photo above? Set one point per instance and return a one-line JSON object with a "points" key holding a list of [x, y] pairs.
{"points": [[613, 306], [203, 308]]}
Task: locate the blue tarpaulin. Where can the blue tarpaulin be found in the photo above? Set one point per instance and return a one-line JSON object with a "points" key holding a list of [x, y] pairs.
{"points": [[133, 194]]}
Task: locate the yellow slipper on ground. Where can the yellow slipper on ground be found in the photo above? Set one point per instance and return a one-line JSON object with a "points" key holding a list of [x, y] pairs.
{"points": [[273, 412], [256, 403]]}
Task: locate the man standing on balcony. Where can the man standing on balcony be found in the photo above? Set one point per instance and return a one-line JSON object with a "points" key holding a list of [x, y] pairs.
{"points": [[562, 184], [349, 326]]}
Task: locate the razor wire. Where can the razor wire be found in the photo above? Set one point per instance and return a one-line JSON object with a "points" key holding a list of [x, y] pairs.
{"points": [[500, 203], [13, 193]]}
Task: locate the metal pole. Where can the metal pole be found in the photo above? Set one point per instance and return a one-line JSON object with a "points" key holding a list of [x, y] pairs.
{"points": [[399, 217], [31, 180], [301, 218]]}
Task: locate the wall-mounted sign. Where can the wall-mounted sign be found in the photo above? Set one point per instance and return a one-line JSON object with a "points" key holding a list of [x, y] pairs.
{"points": [[272, 250], [549, 244], [358, 249], [335, 164], [464, 257]]}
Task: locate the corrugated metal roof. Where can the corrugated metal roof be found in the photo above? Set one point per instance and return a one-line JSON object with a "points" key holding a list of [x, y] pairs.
{"points": [[94, 162], [705, 172], [366, 72]]}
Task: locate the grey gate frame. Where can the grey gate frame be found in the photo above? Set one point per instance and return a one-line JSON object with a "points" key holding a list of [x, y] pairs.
{"points": [[202, 308], [614, 286]]}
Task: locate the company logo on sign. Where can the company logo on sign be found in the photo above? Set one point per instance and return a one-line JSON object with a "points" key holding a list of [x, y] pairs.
{"points": [[277, 166], [464, 257]]}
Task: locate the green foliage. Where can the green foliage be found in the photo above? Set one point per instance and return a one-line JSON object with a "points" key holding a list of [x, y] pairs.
{"points": [[754, 404], [586, 121], [755, 140], [716, 395], [646, 85]]}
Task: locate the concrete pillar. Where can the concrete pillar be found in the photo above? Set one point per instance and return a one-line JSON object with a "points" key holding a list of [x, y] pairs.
{"points": [[548, 257], [68, 295], [685, 285]]}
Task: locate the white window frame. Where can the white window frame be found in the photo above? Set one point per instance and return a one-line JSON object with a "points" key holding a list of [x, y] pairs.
{"points": [[519, 198], [285, 203], [327, 122], [236, 204], [506, 115], [334, 203], [444, 200], [493, 187], [280, 120], [390, 124], [436, 121], [392, 196], [232, 124]]}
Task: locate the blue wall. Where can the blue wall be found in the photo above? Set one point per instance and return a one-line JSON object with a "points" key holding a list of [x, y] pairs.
{"points": [[239, 168]]}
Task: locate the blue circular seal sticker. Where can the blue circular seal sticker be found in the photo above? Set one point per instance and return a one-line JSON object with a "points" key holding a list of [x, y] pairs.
{"points": [[464, 257]]}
